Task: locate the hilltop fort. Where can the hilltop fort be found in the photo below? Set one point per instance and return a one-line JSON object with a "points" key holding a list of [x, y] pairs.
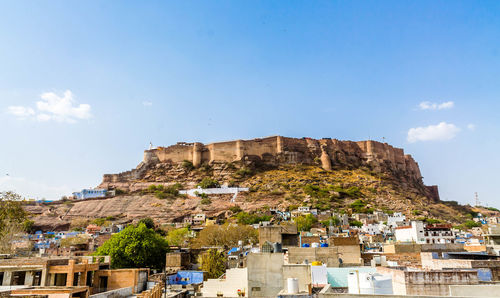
{"points": [[327, 153], [277, 172]]}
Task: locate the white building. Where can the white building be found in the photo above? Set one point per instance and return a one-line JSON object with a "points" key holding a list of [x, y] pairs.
{"points": [[372, 229], [421, 234], [393, 220], [413, 233], [303, 209], [199, 219], [375, 229], [439, 233]]}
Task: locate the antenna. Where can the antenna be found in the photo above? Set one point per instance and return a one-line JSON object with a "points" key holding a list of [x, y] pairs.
{"points": [[476, 200]]}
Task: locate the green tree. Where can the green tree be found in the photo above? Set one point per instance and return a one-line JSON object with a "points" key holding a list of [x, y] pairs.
{"points": [[178, 237], [305, 223], [469, 224], [251, 218], [208, 182], [150, 224], [225, 235], [135, 247], [13, 219], [334, 221], [356, 223], [213, 262]]}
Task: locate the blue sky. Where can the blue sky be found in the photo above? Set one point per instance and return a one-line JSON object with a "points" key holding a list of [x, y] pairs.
{"points": [[85, 86]]}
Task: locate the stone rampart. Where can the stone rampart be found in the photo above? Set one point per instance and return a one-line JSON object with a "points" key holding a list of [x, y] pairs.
{"points": [[326, 152], [275, 150]]}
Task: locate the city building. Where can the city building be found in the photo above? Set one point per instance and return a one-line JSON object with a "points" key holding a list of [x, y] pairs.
{"points": [[420, 233], [90, 194]]}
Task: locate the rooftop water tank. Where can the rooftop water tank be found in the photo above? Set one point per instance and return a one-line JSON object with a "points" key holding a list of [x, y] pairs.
{"points": [[293, 285]]}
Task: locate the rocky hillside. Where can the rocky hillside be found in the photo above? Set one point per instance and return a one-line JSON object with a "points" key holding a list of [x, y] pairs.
{"points": [[354, 182]]}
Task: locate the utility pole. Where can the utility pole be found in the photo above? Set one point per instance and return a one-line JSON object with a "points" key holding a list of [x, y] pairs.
{"points": [[476, 200]]}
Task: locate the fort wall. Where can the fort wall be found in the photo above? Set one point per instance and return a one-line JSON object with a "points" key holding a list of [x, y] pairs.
{"points": [[328, 153]]}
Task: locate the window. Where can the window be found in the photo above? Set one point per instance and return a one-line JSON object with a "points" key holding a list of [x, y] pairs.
{"points": [[18, 278], [37, 279], [60, 279], [76, 278]]}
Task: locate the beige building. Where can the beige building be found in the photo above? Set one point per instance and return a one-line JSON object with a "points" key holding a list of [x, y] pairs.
{"points": [[89, 271]]}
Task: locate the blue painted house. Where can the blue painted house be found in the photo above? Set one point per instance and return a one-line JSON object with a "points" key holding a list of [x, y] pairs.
{"points": [[90, 194]]}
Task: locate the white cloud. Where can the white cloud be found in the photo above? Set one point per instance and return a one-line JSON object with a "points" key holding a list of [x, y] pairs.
{"points": [[440, 132], [427, 105], [471, 127], [147, 103], [54, 107], [20, 111]]}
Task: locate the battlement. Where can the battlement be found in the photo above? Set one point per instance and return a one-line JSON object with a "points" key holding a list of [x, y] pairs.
{"points": [[278, 149]]}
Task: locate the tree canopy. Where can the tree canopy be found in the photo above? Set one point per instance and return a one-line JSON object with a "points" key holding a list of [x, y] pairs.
{"points": [[225, 235], [305, 223], [13, 219], [178, 237], [135, 247], [213, 262]]}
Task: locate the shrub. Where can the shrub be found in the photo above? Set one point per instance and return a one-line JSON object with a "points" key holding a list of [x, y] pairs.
{"points": [[162, 192], [243, 172], [201, 195], [235, 209], [356, 223], [208, 182], [352, 192], [206, 168], [276, 192], [251, 218], [119, 191], [492, 209], [316, 191], [230, 165], [206, 201], [472, 224], [416, 212], [358, 205], [99, 221], [187, 165]]}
